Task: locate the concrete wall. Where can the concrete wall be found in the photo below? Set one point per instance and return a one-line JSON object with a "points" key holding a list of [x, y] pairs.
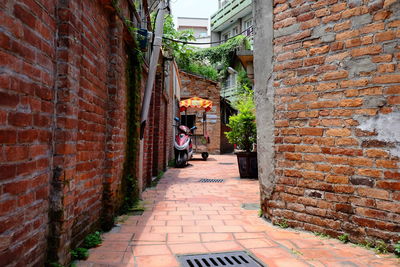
{"points": [[327, 79]]}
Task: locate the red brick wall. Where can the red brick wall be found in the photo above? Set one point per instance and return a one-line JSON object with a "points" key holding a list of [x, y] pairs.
{"points": [[158, 133], [193, 85], [26, 111], [336, 79], [63, 125]]}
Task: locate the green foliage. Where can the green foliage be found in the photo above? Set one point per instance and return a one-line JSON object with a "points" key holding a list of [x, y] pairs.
{"points": [[204, 62], [128, 187], [221, 56], [260, 213], [344, 238], [129, 181], [366, 244], [244, 84], [179, 49], [92, 240], [80, 254], [282, 224], [243, 126], [397, 249], [202, 70], [381, 247], [155, 181], [322, 235]]}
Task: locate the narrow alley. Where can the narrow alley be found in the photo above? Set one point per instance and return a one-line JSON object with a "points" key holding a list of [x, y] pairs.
{"points": [[185, 216], [98, 98]]}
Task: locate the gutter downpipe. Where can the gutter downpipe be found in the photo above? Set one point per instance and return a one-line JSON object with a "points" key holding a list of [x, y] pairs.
{"points": [[158, 33]]}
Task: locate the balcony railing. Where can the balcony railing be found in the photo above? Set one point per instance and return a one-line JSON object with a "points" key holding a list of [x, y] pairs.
{"points": [[227, 11]]}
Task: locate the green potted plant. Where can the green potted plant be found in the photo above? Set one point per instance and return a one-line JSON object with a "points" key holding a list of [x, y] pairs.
{"points": [[244, 134]]}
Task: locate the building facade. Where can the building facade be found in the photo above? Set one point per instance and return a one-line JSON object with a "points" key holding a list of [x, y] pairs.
{"points": [[200, 28], [233, 17]]}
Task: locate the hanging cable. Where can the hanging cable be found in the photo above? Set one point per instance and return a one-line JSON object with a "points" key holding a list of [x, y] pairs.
{"points": [[216, 42]]}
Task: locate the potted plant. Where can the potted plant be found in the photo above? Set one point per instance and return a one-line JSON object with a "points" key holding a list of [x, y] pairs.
{"points": [[244, 134]]}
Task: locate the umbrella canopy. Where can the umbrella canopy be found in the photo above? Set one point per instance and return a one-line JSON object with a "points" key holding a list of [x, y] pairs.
{"points": [[195, 103]]}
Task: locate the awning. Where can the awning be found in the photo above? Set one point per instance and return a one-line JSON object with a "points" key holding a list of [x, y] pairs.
{"points": [[195, 103]]}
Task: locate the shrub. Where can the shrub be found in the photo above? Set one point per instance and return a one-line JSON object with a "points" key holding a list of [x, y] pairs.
{"points": [[92, 240], [344, 238], [80, 254], [381, 247], [282, 223], [243, 126], [397, 249]]}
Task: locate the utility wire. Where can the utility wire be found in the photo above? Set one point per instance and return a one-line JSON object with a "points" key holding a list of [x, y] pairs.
{"points": [[216, 42]]}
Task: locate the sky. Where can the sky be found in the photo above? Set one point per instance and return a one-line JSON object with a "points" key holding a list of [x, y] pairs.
{"points": [[193, 8]]}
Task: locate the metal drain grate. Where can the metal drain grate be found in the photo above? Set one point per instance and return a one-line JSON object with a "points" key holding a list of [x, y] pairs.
{"points": [[211, 180], [227, 259]]}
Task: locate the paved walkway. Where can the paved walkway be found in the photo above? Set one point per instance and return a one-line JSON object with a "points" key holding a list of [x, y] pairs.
{"points": [[184, 216]]}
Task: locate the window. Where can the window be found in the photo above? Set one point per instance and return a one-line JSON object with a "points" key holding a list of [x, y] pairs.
{"points": [[230, 81], [248, 26], [225, 37], [235, 31], [248, 23]]}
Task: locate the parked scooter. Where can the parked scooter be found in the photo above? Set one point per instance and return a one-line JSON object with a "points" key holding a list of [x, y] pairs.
{"points": [[183, 144]]}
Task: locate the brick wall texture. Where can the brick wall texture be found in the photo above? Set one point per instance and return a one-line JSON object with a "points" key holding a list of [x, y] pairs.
{"points": [[337, 108], [196, 86], [63, 97]]}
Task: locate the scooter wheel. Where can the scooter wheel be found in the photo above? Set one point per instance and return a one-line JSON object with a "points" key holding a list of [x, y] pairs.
{"points": [[204, 155], [181, 161]]}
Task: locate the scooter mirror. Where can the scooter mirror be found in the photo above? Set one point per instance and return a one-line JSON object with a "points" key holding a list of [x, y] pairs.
{"points": [[176, 119]]}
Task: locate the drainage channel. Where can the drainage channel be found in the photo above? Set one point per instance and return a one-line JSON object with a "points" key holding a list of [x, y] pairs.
{"points": [[205, 180], [226, 259]]}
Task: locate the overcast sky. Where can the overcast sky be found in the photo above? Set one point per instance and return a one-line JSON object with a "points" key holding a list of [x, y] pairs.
{"points": [[193, 8]]}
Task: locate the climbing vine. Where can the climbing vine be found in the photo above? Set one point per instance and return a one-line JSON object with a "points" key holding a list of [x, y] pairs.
{"points": [[221, 56], [129, 188], [133, 80], [210, 62]]}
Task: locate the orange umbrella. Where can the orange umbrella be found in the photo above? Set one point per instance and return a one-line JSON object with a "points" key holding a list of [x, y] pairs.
{"points": [[196, 103]]}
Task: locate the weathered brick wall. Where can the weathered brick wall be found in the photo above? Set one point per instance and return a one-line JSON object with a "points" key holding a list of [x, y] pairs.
{"points": [[63, 124], [192, 86], [159, 140], [158, 132], [26, 111], [336, 78]]}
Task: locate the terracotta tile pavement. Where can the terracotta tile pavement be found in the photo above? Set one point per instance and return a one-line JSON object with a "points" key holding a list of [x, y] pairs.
{"points": [[184, 216]]}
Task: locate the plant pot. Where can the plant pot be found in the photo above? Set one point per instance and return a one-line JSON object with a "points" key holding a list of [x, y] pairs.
{"points": [[247, 162]]}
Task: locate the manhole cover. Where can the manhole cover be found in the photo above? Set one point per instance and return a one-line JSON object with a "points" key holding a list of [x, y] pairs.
{"points": [[251, 206], [239, 259], [211, 180]]}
